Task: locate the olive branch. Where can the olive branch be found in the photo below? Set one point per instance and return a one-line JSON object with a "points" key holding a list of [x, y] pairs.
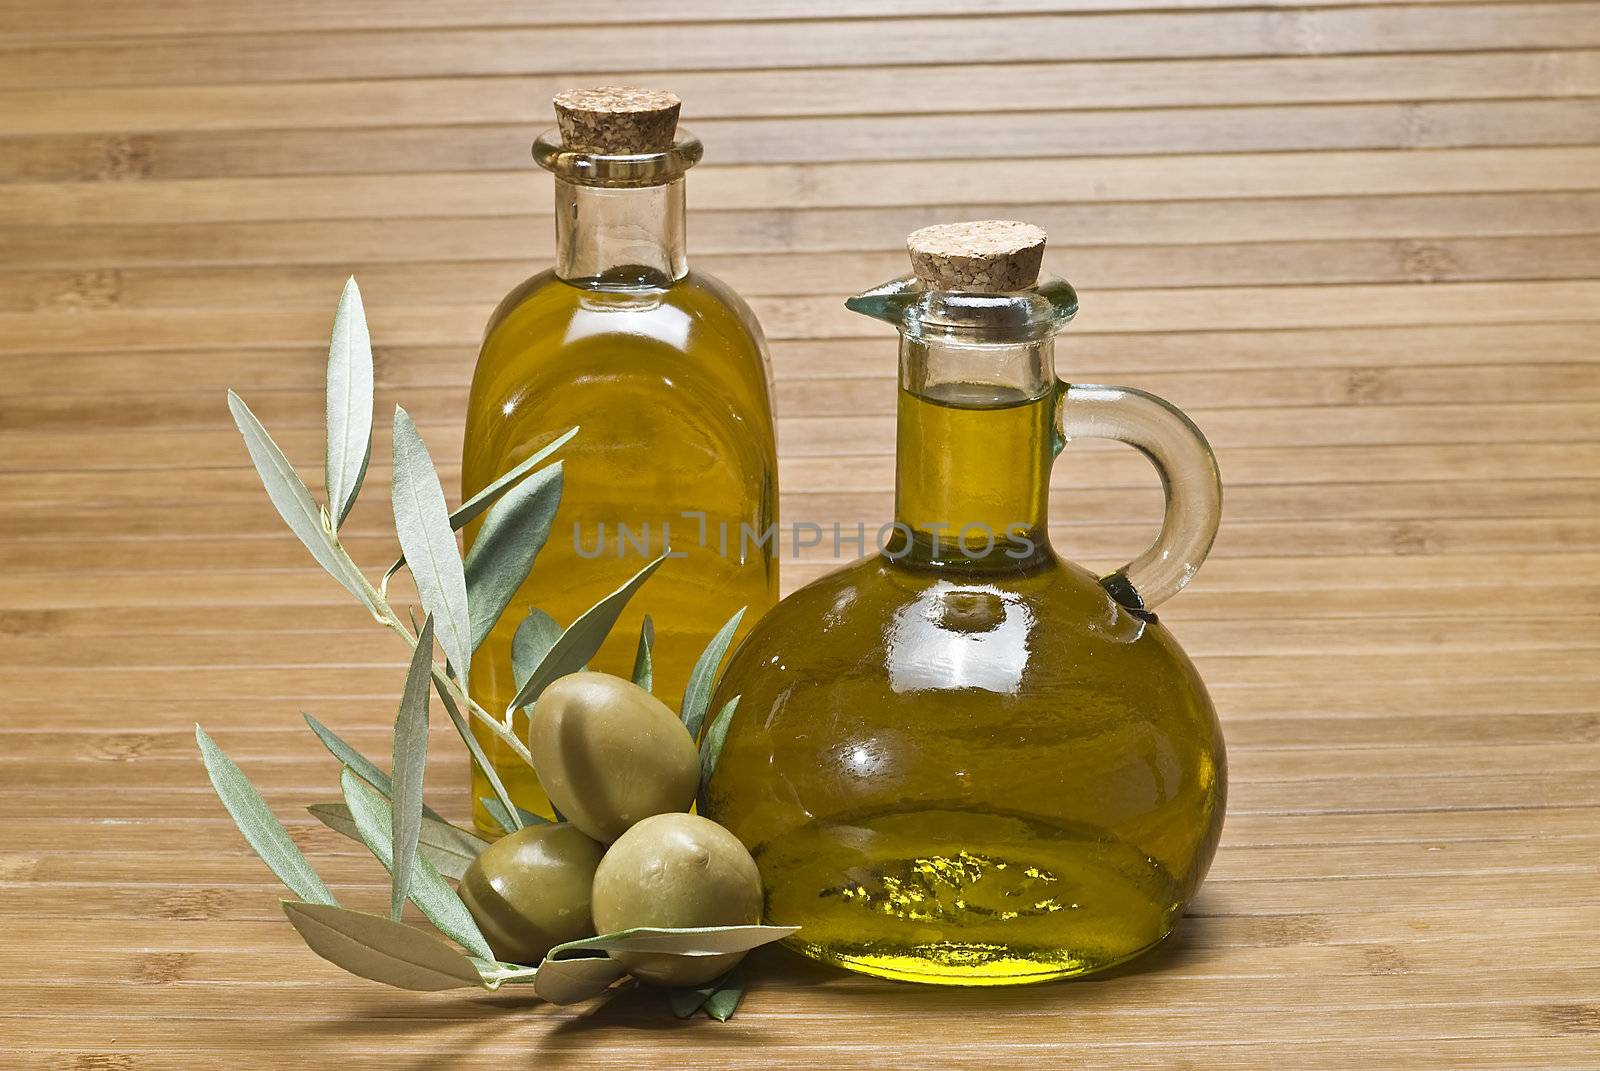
{"points": [[461, 598]]}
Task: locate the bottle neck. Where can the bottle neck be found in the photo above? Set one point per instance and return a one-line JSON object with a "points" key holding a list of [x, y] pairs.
{"points": [[976, 438], [629, 238]]}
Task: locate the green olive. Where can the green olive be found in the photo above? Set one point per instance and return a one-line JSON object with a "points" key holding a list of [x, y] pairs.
{"points": [[609, 753], [529, 891], [676, 870]]}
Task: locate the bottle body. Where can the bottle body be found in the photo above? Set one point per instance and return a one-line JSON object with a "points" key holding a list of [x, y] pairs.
{"points": [[965, 760], [669, 385]]}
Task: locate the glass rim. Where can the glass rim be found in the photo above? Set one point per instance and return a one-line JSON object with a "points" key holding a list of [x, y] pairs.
{"points": [[620, 171]]}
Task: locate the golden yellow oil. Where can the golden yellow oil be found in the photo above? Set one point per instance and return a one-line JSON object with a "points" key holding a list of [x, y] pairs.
{"points": [[972, 898], [669, 387], [970, 768], [955, 474]]}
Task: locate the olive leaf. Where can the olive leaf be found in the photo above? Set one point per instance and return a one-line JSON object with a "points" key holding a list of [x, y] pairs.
{"points": [[686, 1001], [725, 999], [496, 973], [358, 762], [294, 504], [531, 642], [259, 825], [503, 816], [506, 545], [336, 816], [472, 507], [643, 673], [529, 645], [426, 888], [679, 941], [423, 524], [349, 404], [573, 972], [469, 510], [474, 749], [381, 949], [409, 764], [449, 848], [579, 643], [716, 736], [570, 981], [719, 997], [703, 678]]}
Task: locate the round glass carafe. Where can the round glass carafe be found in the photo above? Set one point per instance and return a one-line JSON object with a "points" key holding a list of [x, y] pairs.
{"points": [[964, 760]]}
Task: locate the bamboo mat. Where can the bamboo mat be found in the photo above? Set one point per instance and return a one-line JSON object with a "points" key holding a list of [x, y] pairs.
{"points": [[1359, 243]]}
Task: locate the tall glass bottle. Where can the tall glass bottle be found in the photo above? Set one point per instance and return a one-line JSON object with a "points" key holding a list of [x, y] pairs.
{"points": [[965, 760], [665, 371]]}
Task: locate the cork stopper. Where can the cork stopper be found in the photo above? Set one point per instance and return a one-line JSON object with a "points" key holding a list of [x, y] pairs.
{"points": [[987, 256], [617, 120]]}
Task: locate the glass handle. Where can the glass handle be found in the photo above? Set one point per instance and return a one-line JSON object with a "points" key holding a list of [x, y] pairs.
{"points": [[1188, 472]]}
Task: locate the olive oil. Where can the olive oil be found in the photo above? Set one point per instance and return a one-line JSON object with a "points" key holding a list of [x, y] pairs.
{"points": [[667, 389], [936, 895], [977, 485], [964, 760], [664, 370]]}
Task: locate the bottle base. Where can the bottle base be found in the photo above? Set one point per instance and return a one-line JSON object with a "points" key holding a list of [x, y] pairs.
{"points": [[949, 896], [956, 964]]}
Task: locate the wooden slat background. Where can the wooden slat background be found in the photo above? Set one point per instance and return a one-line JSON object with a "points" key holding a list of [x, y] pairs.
{"points": [[1359, 242]]}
